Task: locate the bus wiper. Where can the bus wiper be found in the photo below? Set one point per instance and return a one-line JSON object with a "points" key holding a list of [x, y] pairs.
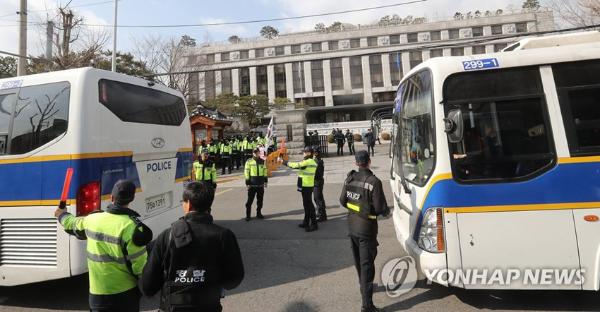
{"points": [[405, 184]]}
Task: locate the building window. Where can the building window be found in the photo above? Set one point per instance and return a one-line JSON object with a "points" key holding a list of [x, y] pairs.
{"points": [[298, 73], [376, 70], [226, 81], [289, 133], [436, 53], [244, 81], [396, 67], [416, 58], [296, 49], [262, 84], [372, 41], [477, 31], [209, 85], [412, 37], [479, 49], [436, 35], [280, 82], [210, 59], [454, 33], [259, 53], [244, 54], [316, 69], [333, 45], [355, 43], [312, 101], [499, 46], [521, 27], [316, 47], [379, 97], [225, 57], [356, 73], [395, 39], [337, 74], [457, 51], [339, 100], [496, 29], [280, 50]]}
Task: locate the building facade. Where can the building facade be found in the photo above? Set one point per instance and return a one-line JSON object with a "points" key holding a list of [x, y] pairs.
{"points": [[342, 76]]}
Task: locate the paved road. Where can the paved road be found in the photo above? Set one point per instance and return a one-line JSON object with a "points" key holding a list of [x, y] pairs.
{"points": [[290, 270]]}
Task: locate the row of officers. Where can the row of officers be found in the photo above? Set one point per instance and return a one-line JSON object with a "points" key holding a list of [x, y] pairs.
{"points": [[195, 260]]}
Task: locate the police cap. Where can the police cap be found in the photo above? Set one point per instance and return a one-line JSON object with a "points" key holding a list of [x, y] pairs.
{"points": [[362, 157]]}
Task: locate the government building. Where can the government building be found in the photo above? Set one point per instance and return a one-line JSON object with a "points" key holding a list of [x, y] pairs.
{"points": [[342, 76]]}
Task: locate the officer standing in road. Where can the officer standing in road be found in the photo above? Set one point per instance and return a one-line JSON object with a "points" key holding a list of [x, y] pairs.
{"points": [[205, 169], [116, 250], [306, 184], [362, 194], [350, 140], [195, 260], [226, 152], [255, 173], [339, 138], [319, 184]]}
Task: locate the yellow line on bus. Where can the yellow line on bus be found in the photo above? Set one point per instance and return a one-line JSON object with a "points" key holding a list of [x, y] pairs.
{"points": [[578, 160], [528, 207], [436, 179]]}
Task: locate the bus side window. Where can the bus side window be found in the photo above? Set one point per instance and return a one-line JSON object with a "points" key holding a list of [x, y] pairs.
{"points": [[578, 86]]}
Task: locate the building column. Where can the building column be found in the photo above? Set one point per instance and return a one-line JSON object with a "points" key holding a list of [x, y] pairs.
{"points": [[307, 77], [235, 81], [253, 88], [327, 82], [289, 81], [367, 90], [271, 82], [405, 63], [468, 50], [447, 52], [487, 31], [385, 65], [218, 83], [489, 48], [202, 86], [346, 73], [425, 55]]}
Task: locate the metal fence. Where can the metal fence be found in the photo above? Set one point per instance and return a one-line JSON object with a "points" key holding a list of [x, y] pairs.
{"points": [[318, 140]]}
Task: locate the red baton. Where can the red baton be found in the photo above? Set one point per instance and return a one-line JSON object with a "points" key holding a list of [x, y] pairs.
{"points": [[65, 190]]}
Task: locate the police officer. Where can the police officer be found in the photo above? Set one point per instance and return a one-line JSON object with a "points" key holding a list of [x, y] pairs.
{"points": [[350, 140], [116, 250], [255, 173], [362, 194], [247, 149], [339, 138], [306, 184], [194, 260], [226, 152], [235, 147], [319, 184], [205, 169]]}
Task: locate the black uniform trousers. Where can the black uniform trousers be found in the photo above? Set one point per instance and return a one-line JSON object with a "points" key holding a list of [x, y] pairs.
{"points": [[319, 199], [259, 192], [340, 149], [364, 251], [225, 162], [123, 302], [237, 159], [371, 149], [310, 216], [351, 148]]}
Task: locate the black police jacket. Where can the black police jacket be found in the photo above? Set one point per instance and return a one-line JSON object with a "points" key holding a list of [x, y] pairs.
{"points": [[365, 190], [320, 170], [191, 263]]}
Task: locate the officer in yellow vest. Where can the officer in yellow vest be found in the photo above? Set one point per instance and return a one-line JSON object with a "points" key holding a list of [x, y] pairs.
{"points": [[116, 250], [226, 153], [205, 169], [255, 173], [306, 184]]}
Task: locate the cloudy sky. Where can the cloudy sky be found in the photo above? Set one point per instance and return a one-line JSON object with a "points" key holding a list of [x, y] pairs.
{"points": [[165, 12]]}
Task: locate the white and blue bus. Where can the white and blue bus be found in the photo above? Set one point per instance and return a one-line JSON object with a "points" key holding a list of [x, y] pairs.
{"points": [[496, 164], [104, 125]]}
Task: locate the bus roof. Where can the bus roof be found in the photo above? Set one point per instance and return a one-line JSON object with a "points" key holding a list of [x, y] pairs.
{"points": [[443, 67]]}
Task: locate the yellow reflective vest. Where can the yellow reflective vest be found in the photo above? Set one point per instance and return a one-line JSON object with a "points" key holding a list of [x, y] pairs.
{"points": [[308, 168], [205, 172], [255, 172], [109, 237]]}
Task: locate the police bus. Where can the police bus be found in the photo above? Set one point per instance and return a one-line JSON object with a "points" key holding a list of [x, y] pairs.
{"points": [[104, 125], [496, 165]]}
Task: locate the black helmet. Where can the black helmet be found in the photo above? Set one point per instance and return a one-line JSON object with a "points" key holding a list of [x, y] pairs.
{"points": [[308, 149]]}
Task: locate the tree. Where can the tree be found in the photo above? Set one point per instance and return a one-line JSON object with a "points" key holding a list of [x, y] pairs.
{"points": [[320, 27], [531, 5], [234, 39], [8, 67], [269, 32], [251, 108], [187, 41], [458, 16], [126, 64], [577, 13], [499, 12], [281, 102]]}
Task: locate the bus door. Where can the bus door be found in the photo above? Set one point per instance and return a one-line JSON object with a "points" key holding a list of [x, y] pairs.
{"points": [[507, 190]]}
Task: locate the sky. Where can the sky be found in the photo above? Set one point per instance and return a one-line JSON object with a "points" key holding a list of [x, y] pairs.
{"points": [[165, 12]]}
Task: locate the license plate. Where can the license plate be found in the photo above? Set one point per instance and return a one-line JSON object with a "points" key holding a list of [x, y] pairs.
{"points": [[156, 203]]}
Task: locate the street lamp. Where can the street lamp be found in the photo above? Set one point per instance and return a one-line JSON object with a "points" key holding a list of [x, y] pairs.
{"points": [[114, 52]]}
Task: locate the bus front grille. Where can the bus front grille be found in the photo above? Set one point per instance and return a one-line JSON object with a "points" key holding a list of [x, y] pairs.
{"points": [[28, 242]]}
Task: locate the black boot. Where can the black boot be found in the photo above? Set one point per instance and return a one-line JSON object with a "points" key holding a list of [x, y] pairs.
{"points": [[303, 225], [312, 227], [259, 215], [322, 216], [370, 309]]}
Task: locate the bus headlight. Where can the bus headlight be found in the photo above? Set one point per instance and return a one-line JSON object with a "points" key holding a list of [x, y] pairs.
{"points": [[431, 235]]}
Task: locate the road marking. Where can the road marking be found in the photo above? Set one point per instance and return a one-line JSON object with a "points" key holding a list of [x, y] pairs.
{"points": [[222, 192]]}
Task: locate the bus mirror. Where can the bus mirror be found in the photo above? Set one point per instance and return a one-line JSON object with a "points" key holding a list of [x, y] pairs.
{"points": [[454, 126]]}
